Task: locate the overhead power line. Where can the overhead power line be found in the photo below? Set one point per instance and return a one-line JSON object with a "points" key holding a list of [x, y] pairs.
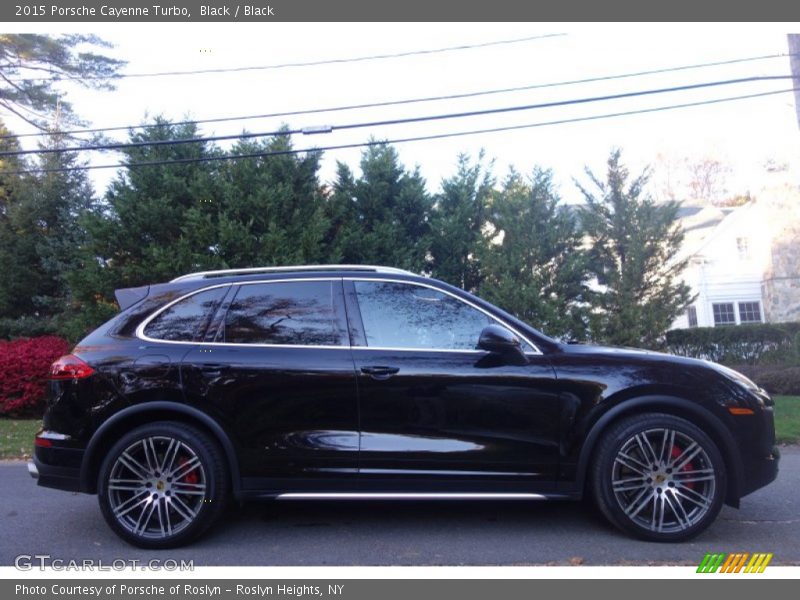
{"points": [[399, 121], [314, 63], [402, 140], [458, 96]]}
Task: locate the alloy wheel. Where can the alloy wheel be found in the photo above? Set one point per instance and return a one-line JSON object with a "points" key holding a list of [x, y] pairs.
{"points": [[663, 480], [157, 487]]}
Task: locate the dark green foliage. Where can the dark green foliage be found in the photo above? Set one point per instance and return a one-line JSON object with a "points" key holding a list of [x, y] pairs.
{"points": [[381, 217], [33, 64], [784, 380], [744, 344], [457, 225], [12, 189], [39, 237], [634, 245], [135, 233], [158, 222], [516, 244], [535, 267]]}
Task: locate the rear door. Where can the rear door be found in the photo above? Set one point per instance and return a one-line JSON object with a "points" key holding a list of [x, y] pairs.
{"points": [[279, 369]]}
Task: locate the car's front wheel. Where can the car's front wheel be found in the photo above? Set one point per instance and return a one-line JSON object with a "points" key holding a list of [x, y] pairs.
{"points": [[162, 485], [659, 477]]}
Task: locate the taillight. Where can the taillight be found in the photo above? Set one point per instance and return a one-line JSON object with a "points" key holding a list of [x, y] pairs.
{"points": [[70, 367]]}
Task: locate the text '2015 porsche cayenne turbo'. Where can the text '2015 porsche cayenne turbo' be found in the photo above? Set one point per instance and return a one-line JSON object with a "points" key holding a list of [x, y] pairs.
{"points": [[357, 382]]}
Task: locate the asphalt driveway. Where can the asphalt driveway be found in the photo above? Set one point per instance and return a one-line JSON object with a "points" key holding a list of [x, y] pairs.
{"points": [[35, 520]]}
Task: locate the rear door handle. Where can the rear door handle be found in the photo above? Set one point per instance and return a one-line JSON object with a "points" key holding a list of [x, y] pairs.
{"points": [[379, 372]]}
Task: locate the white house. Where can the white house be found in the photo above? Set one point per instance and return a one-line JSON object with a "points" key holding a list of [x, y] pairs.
{"points": [[743, 262]]}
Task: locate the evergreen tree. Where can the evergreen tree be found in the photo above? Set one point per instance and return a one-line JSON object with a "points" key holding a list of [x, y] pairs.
{"points": [[164, 220], [40, 237], [13, 285], [135, 234], [58, 198], [634, 248], [272, 210], [457, 224], [535, 265], [383, 216]]}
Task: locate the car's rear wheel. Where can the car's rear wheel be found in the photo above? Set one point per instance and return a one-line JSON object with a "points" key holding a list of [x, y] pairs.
{"points": [[162, 485], [659, 477]]}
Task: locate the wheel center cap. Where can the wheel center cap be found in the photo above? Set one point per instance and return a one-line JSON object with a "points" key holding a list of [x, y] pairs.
{"points": [[660, 478], [160, 486]]}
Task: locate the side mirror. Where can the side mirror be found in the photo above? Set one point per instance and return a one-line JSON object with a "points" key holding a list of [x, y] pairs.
{"points": [[499, 340]]}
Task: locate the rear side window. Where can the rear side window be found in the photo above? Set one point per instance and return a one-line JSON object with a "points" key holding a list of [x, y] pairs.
{"points": [[284, 313], [187, 319]]}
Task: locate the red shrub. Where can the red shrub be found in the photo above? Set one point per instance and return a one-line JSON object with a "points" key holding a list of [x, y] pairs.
{"points": [[24, 365]]}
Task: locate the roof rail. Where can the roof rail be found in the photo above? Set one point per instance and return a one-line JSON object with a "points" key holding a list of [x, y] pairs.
{"points": [[257, 270]]}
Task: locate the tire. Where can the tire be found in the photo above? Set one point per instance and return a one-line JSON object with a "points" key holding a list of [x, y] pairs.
{"points": [[672, 502], [162, 485]]}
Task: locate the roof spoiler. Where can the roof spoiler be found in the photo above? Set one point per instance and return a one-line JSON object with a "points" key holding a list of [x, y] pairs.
{"points": [[129, 296]]}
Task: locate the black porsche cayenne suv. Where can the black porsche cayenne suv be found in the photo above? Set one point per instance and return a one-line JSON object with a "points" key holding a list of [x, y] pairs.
{"points": [[344, 382]]}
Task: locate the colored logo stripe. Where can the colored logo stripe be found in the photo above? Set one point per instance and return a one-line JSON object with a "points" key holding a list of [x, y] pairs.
{"points": [[734, 563], [758, 563], [710, 563]]}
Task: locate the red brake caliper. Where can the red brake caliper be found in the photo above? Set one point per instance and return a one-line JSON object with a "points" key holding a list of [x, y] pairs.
{"points": [[676, 452], [191, 476]]}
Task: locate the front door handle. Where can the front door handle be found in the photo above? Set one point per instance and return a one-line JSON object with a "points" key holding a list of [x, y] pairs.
{"points": [[379, 372]]}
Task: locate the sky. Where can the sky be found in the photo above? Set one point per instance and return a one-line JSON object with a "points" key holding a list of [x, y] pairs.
{"points": [[743, 134]]}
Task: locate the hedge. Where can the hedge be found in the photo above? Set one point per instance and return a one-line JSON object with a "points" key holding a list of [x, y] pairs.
{"points": [[783, 380], [763, 343], [24, 364]]}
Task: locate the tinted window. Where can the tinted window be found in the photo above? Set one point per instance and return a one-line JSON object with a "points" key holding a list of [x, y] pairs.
{"points": [[296, 313], [186, 320], [398, 315]]}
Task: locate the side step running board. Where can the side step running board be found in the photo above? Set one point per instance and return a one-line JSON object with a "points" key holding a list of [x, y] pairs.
{"points": [[412, 496]]}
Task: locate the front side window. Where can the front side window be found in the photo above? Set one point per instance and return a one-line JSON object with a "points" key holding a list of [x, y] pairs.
{"points": [[723, 313], [400, 315], [187, 319], [283, 313], [750, 312]]}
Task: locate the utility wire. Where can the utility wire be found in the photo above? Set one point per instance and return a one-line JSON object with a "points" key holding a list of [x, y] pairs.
{"points": [[399, 121], [313, 63], [409, 100], [396, 140]]}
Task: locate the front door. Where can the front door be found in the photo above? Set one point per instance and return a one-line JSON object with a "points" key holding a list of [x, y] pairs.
{"points": [[436, 413]]}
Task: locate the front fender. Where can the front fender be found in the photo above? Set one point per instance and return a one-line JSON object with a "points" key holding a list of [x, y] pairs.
{"points": [[696, 413]]}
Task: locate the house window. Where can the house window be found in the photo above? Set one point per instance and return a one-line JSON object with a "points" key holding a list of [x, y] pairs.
{"points": [[749, 312], [691, 315], [723, 313], [743, 247]]}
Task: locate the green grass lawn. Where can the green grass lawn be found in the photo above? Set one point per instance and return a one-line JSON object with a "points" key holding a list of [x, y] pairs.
{"points": [[16, 437], [787, 419]]}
